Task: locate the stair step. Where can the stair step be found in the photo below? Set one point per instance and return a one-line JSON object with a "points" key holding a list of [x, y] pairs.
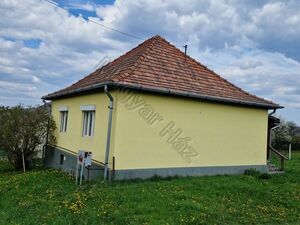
{"points": [[272, 169], [276, 172]]}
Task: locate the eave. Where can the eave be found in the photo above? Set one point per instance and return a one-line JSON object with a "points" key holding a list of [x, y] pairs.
{"points": [[122, 86]]}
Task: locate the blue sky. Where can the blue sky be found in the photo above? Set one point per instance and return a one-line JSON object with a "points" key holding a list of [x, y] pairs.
{"points": [[252, 43]]}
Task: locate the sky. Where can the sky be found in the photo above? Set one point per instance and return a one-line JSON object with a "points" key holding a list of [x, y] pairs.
{"points": [[252, 43]]}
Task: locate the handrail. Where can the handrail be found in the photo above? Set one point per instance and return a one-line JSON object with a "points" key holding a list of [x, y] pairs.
{"points": [[282, 157], [278, 153]]}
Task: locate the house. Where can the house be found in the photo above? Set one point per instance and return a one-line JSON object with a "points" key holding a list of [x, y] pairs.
{"points": [[157, 111]]}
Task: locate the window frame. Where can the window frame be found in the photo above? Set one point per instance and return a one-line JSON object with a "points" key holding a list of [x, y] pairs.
{"points": [[88, 123], [63, 126]]}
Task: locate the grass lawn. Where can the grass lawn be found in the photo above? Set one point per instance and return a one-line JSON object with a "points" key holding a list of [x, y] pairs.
{"points": [[50, 197]]}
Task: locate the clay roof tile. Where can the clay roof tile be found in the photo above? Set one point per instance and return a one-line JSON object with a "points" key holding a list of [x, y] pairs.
{"points": [[158, 64]]}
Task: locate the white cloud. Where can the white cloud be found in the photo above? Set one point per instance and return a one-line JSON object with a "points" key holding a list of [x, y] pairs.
{"points": [[278, 16], [252, 43], [70, 47], [271, 75], [83, 6], [16, 86]]}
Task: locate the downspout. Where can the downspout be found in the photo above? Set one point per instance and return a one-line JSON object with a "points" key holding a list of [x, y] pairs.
{"points": [[111, 102], [274, 111], [270, 114], [269, 136]]}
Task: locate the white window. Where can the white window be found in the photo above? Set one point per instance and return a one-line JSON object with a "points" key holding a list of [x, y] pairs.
{"points": [[63, 121], [88, 123]]}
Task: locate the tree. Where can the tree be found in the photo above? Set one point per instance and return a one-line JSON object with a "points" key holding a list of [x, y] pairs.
{"points": [[283, 135], [288, 132], [296, 143], [23, 131], [293, 128]]}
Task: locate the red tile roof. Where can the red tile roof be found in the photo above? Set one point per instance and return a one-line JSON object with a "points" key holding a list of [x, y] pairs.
{"points": [[157, 65]]}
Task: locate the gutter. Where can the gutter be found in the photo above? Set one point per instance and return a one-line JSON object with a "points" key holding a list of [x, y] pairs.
{"points": [[111, 102], [270, 134], [161, 91], [198, 96], [76, 91], [273, 128], [274, 111]]}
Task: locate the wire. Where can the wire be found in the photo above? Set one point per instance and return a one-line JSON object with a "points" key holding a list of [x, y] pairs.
{"points": [[95, 22]]}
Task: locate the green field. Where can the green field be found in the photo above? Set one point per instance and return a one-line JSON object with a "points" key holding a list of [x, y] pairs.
{"points": [[50, 197]]}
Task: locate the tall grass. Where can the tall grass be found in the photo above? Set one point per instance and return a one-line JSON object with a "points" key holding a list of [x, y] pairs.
{"points": [[51, 197]]}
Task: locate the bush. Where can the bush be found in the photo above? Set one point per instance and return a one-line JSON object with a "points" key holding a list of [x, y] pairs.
{"points": [[251, 172], [23, 131], [264, 176]]}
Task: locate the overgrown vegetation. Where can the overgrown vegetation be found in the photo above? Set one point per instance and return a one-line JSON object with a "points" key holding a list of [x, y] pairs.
{"points": [[256, 173], [287, 133], [51, 197], [23, 131]]}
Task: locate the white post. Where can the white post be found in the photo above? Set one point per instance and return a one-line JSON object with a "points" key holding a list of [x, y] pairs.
{"points": [[23, 161], [81, 174], [290, 151], [77, 172]]}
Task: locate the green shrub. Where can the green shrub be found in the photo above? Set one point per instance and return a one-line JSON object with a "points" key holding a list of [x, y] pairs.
{"points": [[251, 172], [264, 176]]}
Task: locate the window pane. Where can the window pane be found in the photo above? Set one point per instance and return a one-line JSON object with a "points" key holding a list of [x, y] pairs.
{"points": [[90, 124], [60, 125], [87, 123], [84, 124], [63, 121], [66, 121], [93, 123], [62, 157]]}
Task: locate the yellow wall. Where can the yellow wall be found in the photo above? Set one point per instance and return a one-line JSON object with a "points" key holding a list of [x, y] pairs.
{"points": [[221, 135], [73, 139]]}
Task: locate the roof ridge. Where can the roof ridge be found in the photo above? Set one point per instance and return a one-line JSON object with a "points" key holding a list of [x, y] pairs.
{"points": [[97, 71], [140, 59], [126, 53], [158, 63], [213, 72]]}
